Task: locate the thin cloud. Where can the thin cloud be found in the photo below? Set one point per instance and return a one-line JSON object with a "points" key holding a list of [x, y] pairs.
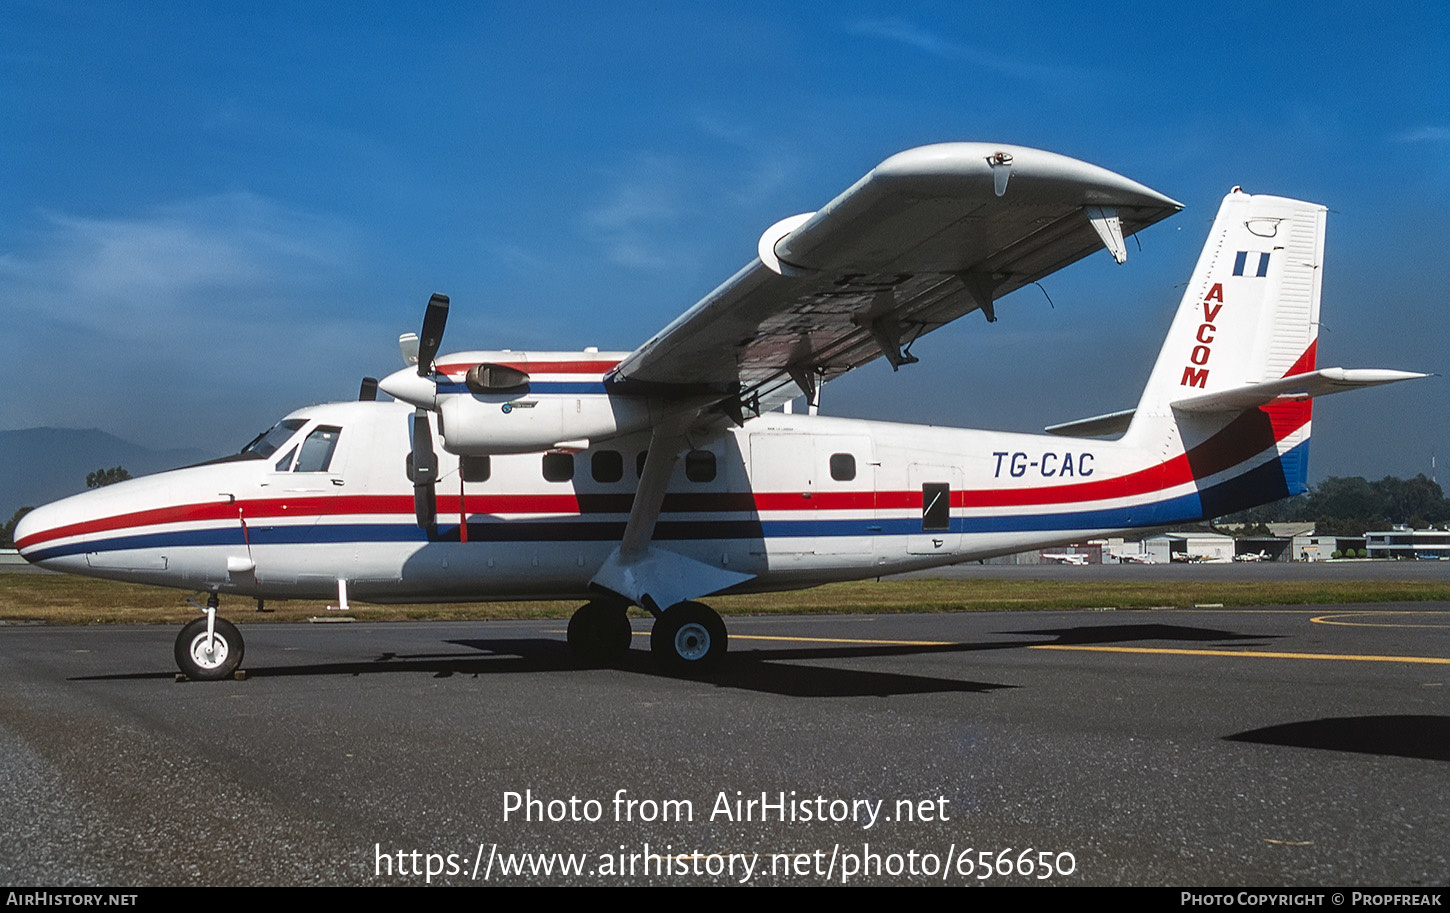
{"points": [[190, 258], [638, 221], [1427, 134], [659, 213], [762, 172], [913, 36], [213, 306]]}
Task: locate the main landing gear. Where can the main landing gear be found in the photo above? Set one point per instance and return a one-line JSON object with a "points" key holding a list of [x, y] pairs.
{"points": [[688, 638], [209, 649], [599, 633]]}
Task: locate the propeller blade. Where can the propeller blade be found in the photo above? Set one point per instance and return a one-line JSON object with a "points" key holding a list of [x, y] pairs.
{"points": [[368, 392], [425, 471], [434, 320]]}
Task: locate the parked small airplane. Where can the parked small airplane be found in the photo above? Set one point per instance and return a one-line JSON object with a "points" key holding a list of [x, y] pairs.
{"points": [[1136, 558], [1186, 558], [656, 477], [1252, 556], [1066, 558]]}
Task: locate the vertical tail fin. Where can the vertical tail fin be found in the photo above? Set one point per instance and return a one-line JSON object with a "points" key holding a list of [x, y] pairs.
{"points": [[1250, 315], [1251, 311]]}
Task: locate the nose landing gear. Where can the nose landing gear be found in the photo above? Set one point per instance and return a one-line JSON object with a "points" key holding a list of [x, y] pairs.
{"points": [[209, 649]]}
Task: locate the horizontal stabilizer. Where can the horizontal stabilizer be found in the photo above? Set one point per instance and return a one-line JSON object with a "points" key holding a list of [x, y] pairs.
{"points": [[1097, 426], [1294, 387]]}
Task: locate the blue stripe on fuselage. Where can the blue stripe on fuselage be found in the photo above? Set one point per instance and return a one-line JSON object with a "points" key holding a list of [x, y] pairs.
{"points": [[542, 387]]}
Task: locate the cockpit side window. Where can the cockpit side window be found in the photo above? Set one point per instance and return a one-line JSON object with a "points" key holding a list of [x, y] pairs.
{"points": [[267, 443], [317, 450], [286, 462]]}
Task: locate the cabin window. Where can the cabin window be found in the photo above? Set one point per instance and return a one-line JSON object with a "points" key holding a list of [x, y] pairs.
{"points": [[843, 467], [558, 467], [936, 506], [700, 466], [317, 450], [475, 468], [607, 466]]}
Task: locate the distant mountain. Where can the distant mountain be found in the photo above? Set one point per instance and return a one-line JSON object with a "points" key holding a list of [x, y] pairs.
{"points": [[42, 464]]}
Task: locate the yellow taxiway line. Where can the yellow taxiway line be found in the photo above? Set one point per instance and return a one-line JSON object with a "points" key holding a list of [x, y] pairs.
{"points": [[1172, 651], [1256, 654], [1335, 619], [1168, 651]]}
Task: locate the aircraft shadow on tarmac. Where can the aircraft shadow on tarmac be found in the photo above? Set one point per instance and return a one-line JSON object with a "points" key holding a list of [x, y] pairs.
{"points": [[783, 671], [1111, 634], [748, 670], [1423, 737]]}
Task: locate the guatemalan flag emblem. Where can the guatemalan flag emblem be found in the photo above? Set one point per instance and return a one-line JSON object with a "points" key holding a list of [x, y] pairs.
{"points": [[1251, 260]]}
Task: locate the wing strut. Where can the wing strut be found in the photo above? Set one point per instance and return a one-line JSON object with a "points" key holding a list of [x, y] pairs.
{"points": [[652, 577], [665, 447]]}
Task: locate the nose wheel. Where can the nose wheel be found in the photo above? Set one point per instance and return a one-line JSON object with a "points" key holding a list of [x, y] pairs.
{"points": [[209, 649], [689, 638]]}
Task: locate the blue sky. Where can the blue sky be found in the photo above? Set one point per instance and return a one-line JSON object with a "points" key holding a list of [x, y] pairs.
{"points": [[211, 214]]}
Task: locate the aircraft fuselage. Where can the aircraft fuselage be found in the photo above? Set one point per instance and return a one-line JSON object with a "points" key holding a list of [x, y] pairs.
{"points": [[789, 500]]}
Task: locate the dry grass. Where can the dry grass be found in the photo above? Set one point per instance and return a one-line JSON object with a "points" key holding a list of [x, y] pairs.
{"points": [[59, 599]]}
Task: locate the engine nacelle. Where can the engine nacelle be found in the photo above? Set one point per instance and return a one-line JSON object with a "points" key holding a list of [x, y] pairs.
{"points": [[478, 424], [522, 402]]}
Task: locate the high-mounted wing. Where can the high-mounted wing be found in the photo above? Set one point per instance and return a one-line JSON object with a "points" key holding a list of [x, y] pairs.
{"points": [[929, 235]]}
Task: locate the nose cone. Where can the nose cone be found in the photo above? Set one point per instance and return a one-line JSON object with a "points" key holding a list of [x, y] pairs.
{"points": [[406, 386], [51, 535]]}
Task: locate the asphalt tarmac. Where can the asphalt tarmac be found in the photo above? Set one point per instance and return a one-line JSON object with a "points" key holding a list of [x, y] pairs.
{"points": [[1269, 746]]}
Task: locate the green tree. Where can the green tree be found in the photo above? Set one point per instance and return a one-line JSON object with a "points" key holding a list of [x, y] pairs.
{"points": [[107, 476], [1351, 506], [1419, 500], [7, 530]]}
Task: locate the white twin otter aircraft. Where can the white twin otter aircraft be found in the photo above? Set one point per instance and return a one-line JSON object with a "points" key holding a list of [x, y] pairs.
{"points": [[656, 477]]}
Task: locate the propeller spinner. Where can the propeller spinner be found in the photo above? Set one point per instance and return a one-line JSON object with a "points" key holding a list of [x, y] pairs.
{"points": [[420, 388]]}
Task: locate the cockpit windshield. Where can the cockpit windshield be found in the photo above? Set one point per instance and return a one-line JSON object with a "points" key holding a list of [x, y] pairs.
{"points": [[266, 443]]}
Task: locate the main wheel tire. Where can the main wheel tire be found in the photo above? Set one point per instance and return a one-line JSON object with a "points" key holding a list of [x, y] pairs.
{"points": [[599, 633], [689, 638], [223, 659]]}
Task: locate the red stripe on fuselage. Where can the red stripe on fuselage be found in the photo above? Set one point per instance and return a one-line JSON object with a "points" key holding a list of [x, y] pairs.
{"points": [[540, 367]]}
